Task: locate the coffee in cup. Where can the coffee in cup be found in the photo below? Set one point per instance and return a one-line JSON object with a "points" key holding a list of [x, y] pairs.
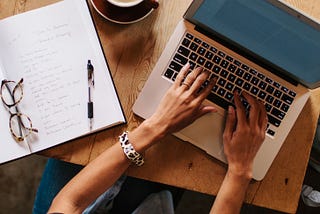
{"points": [[131, 3]]}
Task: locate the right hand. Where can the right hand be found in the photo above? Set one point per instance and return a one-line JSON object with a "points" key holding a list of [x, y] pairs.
{"points": [[243, 135]]}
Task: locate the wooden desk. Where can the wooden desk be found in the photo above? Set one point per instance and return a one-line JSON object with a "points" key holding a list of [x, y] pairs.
{"points": [[132, 51]]}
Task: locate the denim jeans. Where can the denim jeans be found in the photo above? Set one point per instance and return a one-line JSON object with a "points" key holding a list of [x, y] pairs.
{"points": [[127, 195]]}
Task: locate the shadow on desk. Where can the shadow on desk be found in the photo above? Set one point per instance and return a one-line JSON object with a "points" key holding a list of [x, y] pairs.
{"points": [[19, 181]]}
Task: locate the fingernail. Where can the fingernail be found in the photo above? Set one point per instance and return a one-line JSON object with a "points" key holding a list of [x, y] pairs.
{"points": [[230, 109]]}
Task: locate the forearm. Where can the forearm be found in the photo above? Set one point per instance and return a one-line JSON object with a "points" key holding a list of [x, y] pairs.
{"points": [[101, 173], [231, 194]]}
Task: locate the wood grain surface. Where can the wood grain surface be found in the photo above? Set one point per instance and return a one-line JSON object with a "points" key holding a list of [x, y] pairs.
{"points": [[132, 51]]}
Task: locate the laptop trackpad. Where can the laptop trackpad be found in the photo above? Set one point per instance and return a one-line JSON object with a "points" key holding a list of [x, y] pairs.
{"points": [[206, 133]]}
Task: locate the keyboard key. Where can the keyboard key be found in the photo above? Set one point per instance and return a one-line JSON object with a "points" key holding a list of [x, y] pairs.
{"points": [[188, 35], [192, 65], [254, 81], [186, 42], [274, 121], [213, 49], [229, 58], [220, 53], [262, 95], [201, 51], [268, 107], [262, 85], [209, 55], [216, 59], [245, 67], [237, 63], [271, 132], [286, 90], [224, 63], [205, 45], [169, 73], [201, 60], [292, 93], [232, 68], [270, 99], [277, 103], [254, 90], [277, 85], [277, 113], [261, 76], [221, 82], [239, 82], [270, 89], [229, 86], [183, 51], [180, 59], [221, 92], [215, 88], [229, 96], [287, 99], [216, 69], [246, 86], [208, 65], [247, 76], [239, 72], [197, 40], [224, 73], [231, 78], [252, 71], [193, 56], [175, 66], [194, 46], [277, 93], [285, 107], [218, 100], [268, 80]]}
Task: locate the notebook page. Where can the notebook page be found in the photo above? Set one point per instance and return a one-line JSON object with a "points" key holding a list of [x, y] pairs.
{"points": [[51, 55]]}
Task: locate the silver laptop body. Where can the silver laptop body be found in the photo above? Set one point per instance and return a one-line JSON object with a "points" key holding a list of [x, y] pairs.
{"points": [[206, 132]]}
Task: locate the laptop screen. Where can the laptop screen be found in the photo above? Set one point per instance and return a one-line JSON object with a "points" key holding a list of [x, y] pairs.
{"points": [[266, 30]]}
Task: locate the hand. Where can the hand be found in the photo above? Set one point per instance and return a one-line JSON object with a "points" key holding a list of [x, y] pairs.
{"points": [[243, 135], [182, 104]]}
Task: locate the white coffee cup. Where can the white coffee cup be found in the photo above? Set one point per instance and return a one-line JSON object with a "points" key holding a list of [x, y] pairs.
{"points": [[131, 3]]}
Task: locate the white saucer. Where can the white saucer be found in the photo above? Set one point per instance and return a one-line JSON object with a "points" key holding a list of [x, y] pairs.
{"points": [[121, 15]]}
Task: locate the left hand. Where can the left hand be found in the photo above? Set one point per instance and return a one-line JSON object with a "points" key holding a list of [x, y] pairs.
{"points": [[182, 103]]}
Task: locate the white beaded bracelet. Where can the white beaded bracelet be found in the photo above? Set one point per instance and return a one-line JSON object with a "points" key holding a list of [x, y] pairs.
{"points": [[129, 151]]}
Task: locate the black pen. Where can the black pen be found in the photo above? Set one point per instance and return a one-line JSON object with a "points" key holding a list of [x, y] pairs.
{"points": [[90, 83]]}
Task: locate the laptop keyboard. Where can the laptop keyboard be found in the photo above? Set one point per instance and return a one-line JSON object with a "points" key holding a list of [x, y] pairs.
{"points": [[232, 75]]}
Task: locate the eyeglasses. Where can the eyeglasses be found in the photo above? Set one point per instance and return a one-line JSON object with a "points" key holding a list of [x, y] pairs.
{"points": [[20, 124]]}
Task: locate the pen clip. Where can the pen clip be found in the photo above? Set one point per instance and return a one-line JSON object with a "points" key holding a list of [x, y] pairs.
{"points": [[90, 69]]}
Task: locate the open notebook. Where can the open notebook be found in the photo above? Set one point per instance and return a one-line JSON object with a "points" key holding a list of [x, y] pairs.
{"points": [[49, 48]]}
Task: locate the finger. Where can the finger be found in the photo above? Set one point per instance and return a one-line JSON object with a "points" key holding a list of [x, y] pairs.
{"points": [[230, 123], [240, 110], [183, 72], [207, 90], [254, 109], [206, 109], [198, 82], [190, 79], [263, 120]]}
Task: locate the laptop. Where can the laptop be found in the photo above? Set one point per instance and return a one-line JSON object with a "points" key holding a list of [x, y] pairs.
{"points": [[266, 48]]}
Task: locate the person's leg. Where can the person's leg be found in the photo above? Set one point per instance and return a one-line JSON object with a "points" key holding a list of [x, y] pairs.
{"points": [[55, 176], [156, 203], [134, 191]]}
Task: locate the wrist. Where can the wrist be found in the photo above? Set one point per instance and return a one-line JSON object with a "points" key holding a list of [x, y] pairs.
{"points": [[240, 172], [146, 135]]}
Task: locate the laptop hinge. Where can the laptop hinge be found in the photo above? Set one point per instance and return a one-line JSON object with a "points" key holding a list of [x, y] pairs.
{"points": [[258, 60]]}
